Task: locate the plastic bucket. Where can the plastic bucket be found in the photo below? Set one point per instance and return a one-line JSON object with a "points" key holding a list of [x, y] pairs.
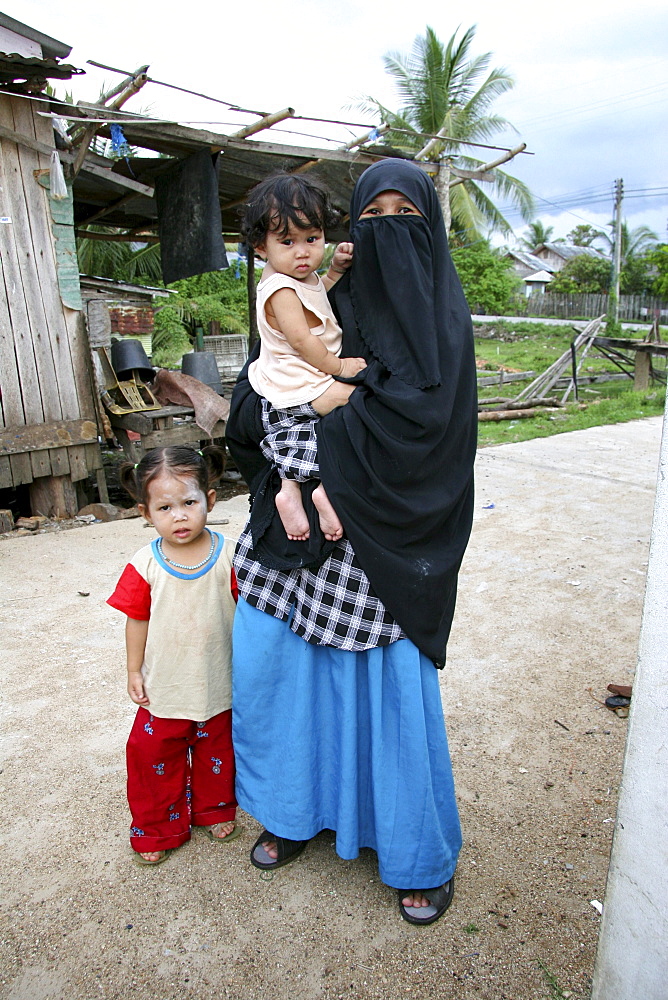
{"points": [[128, 355], [202, 365]]}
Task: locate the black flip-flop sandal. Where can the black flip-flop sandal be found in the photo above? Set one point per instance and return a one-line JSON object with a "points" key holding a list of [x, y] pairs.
{"points": [[439, 900], [287, 851]]}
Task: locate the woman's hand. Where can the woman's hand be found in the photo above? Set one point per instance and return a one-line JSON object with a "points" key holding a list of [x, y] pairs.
{"points": [[337, 394]]}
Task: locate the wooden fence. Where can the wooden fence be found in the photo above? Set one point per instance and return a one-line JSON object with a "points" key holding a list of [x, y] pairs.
{"points": [[632, 308]]}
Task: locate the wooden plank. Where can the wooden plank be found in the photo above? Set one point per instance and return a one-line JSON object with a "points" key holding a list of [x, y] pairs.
{"points": [[641, 370], [83, 459], [6, 477], [26, 215], [19, 325], [11, 404], [57, 434], [181, 435], [44, 313], [117, 180], [143, 423], [38, 205], [628, 344], [70, 347], [29, 142]]}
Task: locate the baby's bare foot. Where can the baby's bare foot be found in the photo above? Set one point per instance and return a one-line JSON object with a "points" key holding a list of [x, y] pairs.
{"points": [[291, 511], [332, 528]]}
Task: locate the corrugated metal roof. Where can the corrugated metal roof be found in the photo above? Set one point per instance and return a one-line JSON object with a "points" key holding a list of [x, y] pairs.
{"points": [[51, 47], [526, 258], [568, 250]]}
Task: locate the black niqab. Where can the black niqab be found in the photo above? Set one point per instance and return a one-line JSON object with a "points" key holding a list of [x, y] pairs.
{"points": [[397, 460]]}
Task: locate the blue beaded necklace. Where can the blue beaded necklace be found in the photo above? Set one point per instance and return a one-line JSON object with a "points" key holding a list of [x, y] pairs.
{"points": [[180, 565]]}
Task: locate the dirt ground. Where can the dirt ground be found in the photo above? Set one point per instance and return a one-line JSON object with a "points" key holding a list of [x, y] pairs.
{"points": [[549, 614]]}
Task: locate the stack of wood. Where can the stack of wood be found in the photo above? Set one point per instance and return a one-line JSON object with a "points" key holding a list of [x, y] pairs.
{"points": [[534, 397]]}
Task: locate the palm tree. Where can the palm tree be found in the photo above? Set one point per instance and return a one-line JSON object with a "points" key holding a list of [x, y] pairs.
{"points": [[634, 243], [537, 234], [443, 89]]}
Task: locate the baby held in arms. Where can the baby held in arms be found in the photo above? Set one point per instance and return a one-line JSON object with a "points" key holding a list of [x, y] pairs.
{"points": [[285, 221]]}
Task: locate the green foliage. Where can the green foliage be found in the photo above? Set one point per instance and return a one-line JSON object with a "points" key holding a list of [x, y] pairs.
{"points": [[583, 235], [583, 275], [637, 275], [634, 242], [471, 928], [216, 296], [658, 259], [487, 278], [536, 234], [556, 992], [120, 261], [170, 339], [443, 88]]}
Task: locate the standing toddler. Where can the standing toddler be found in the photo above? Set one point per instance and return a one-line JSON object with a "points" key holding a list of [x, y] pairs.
{"points": [[179, 595]]}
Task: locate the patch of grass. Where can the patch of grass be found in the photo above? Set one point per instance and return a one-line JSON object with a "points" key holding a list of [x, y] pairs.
{"points": [[471, 928], [621, 406], [534, 347]]}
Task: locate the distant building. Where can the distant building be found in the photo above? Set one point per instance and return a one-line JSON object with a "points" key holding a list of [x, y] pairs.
{"points": [[554, 256], [533, 271]]}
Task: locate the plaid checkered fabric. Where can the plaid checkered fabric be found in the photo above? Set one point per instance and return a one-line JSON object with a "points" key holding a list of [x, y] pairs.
{"points": [[290, 442], [333, 606]]}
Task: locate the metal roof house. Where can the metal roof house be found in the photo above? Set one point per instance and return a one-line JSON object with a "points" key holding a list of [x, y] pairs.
{"points": [[554, 256]]}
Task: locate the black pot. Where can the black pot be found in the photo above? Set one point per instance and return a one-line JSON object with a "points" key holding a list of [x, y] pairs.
{"points": [[128, 355], [202, 365]]}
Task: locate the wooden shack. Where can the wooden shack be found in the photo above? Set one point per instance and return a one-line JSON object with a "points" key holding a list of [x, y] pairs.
{"points": [[51, 417], [48, 424]]}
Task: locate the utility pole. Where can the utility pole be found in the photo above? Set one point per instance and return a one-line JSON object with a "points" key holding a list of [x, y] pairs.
{"points": [[613, 304]]}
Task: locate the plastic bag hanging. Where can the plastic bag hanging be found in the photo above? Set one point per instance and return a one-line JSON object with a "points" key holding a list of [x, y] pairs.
{"points": [[57, 183]]}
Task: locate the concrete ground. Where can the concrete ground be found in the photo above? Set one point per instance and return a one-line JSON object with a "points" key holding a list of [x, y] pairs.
{"points": [[549, 613]]}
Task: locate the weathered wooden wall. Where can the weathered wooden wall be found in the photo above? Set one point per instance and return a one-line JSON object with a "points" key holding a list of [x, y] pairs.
{"points": [[44, 356]]}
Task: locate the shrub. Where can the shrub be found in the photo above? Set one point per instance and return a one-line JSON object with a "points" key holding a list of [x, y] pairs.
{"points": [[487, 278]]}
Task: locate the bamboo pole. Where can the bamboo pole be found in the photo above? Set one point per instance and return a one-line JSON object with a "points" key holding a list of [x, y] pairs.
{"points": [[361, 139], [130, 86], [263, 123]]}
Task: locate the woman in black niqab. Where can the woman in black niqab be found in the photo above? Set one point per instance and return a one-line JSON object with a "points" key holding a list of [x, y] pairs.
{"points": [[338, 721], [397, 460]]}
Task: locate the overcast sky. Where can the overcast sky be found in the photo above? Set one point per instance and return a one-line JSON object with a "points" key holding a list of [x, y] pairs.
{"points": [[591, 78]]}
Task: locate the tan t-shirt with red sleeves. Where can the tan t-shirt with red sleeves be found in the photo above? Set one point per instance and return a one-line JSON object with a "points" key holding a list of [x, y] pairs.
{"points": [[187, 669]]}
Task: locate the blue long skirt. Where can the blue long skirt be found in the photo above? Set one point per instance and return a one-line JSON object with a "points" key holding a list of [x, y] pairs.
{"points": [[352, 742]]}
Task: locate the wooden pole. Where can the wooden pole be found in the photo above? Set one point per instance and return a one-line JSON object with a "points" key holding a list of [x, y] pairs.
{"points": [[613, 312], [130, 87], [361, 139], [263, 123], [476, 175], [253, 333], [443, 186]]}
